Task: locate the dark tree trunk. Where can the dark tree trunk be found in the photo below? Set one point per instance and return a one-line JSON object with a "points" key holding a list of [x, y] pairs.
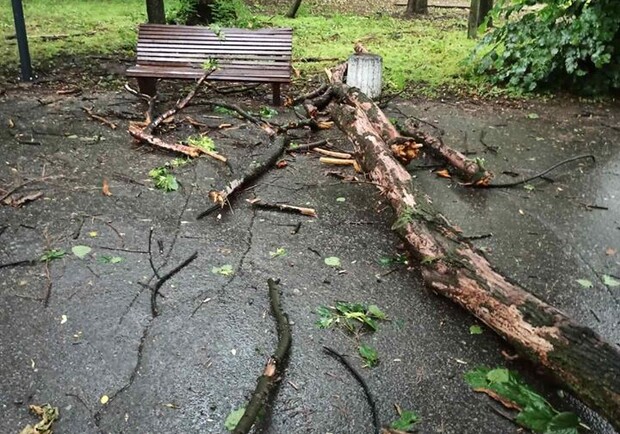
{"points": [[155, 11], [452, 267], [477, 13], [292, 12], [417, 7]]}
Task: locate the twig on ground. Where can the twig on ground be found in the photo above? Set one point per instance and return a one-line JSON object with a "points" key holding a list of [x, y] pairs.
{"points": [[371, 402], [308, 146], [166, 277], [24, 263], [99, 118], [317, 92], [274, 367], [28, 182], [257, 203], [220, 198], [333, 154], [541, 174]]}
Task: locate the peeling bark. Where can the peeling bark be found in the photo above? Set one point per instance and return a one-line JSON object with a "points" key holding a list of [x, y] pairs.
{"points": [[452, 267]]}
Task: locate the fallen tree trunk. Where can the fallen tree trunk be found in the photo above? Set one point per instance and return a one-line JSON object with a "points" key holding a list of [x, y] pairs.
{"points": [[452, 267]]}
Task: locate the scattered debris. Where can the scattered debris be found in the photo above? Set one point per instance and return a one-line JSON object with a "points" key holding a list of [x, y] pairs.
{"points": [[99, 118], [258, 203], [48, 415]]}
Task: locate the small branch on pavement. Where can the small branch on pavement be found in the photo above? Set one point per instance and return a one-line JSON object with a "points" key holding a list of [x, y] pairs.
{"points": [[274, 368], [166, 277]]}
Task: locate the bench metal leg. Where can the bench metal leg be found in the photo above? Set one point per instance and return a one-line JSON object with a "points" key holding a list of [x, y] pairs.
{"points": [[147, 85], [277, 100]]}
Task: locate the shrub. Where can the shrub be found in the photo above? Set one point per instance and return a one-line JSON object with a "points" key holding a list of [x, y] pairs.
{"points": [[565, 43]]}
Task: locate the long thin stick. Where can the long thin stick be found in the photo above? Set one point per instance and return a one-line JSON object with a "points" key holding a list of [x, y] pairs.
{"points": [[541, 174], [362, 382], [163, 280]]}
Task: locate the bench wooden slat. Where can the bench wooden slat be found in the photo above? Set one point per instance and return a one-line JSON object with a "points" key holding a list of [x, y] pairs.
{"points": [[164, 51]]}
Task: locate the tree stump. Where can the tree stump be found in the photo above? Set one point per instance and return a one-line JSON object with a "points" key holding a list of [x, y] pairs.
{"points": [[365, 73]]}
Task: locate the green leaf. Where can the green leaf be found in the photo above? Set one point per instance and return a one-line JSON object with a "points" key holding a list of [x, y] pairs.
{"points": [[585, 283], [499, 375], [610, 281], [563, 423], [293, 146], [406, 421], [341, 199], [475, 330], [53, 254], [224, 270], [529, 187], [280, 251], [163, 179], [374, 311], [81, 251], [385, 260], [267, 112], [233, 418], [369, 354], [536, 419], [106, 259], [203, 142], [477, 378], [332, 261], [533, 116]]}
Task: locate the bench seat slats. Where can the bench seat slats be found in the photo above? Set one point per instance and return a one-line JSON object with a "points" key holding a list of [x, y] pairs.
{"points": [[228, 75], [260, 56]]}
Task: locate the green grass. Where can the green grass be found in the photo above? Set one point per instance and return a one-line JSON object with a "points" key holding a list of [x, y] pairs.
{"points": [[424, 51], [113, 23], [420, 51]]}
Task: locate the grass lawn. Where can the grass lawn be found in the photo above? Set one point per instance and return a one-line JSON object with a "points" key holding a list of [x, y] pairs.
{"points": [[425, 50]]}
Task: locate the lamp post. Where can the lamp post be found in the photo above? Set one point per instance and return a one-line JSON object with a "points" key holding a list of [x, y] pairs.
{"points": [[22, 40]]}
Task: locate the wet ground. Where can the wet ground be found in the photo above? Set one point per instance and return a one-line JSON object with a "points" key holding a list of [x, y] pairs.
{"points": [[81, 329]]}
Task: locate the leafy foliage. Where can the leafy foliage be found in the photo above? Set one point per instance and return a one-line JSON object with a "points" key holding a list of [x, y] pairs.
{"points": [[332, 261], [81, 251], [406, 421], [225, 13], [535, 412], [52, 254], [164, 180], [370, 355], [205, 143], [233, 418], [224, 270], [572, 43], [106, 259], [354, 317]]}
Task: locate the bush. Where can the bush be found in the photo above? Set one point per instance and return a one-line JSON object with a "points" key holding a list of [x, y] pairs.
{"points": [[561, 43], [226, 13]]}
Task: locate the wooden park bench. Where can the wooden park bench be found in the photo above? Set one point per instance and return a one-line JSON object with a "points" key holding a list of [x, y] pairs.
{"points": [[241, 55]]}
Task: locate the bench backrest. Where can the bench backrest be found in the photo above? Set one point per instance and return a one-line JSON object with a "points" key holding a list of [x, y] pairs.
{"points": [[235, 50]]}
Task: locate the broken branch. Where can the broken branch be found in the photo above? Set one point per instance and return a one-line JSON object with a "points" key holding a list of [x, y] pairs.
{"points": [[275, 365]]}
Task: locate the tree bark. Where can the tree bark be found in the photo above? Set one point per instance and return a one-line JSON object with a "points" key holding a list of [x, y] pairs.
{"points": [[155, 11], [416, 7], [292, 12], [452, 267], [478, 11]]}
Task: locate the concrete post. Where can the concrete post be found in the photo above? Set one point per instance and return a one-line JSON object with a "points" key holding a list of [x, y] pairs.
{"points": [[365, 72]]}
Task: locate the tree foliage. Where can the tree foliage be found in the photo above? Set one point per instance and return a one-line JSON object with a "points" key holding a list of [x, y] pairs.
{"points": [[568, 43], [226, 13]]}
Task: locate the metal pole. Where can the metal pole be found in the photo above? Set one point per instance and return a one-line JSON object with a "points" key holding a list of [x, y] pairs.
{"points": [[22, 40]]}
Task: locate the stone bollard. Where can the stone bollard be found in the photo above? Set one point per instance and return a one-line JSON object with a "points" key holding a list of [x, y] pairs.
{"points": [[364, 72]]}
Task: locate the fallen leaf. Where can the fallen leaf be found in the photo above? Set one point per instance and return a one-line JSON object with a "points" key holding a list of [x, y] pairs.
{"points": [[332, 261], [106, 188], [533, 116], [475, 330], [233, 418], [499, 398], [92, 234], [610, 281], [11, 123], [63, 319], [281, 164], [585, 283], [171, 405], [610, 251], [341, 199], [81, 251], [21, 200], [443, 173], [48, 415], [104, 399]]}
